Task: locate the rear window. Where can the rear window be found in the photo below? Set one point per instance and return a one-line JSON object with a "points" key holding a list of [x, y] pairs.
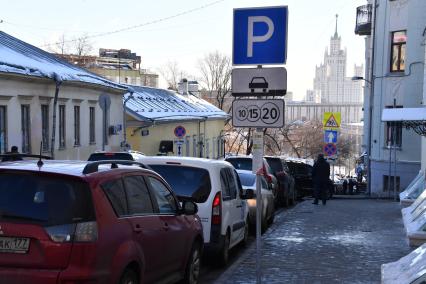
{"points": [[110, 156], [44, 200], [186, 181], [241, 163], [247, 179], [275, 165]]}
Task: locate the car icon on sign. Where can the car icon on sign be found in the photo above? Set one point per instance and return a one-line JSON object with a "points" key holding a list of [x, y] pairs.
{"points": [[258, 83]]}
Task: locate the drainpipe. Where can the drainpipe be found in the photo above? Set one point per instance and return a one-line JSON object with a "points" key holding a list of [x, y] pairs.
{"points": [[58, 82], [124, 144]]}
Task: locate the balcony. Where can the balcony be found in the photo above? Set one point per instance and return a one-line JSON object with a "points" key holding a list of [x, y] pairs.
{"points": [[363, 20]]}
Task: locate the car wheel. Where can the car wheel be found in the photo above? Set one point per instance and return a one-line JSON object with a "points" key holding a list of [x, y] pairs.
{"points": [[224, 252], [129, 277], [192, 270]]}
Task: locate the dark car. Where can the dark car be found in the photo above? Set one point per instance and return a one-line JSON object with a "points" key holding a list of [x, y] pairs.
{"points": [[286, 191], [124, 155], [246, 163], [94, 222], [302, 173]]}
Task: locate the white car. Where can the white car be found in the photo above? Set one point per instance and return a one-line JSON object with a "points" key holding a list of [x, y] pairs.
{"points": [[248, 181], [215, 186]]}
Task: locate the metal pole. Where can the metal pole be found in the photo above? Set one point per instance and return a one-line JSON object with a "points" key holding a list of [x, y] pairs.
{"points": [[390, 160], [258, 228]]}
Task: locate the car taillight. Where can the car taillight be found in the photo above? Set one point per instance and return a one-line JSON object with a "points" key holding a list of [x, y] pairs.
{"points": [[268, 178], [80, 232], [86, 232], [216, 210]]}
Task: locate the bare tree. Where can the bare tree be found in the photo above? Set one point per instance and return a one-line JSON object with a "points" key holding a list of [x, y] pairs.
{"points": [[61, 46], [82, 45], [215, 71], [172, 74]]}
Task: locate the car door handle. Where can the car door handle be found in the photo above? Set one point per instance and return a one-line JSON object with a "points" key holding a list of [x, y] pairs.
{"points": [[166, 227], [137, 228]]}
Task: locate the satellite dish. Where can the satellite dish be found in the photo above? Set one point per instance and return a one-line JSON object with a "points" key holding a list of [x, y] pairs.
{"points": [[104, 101]]}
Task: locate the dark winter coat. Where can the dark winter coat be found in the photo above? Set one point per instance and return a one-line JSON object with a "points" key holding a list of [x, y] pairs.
{"points": [[321, 171]]}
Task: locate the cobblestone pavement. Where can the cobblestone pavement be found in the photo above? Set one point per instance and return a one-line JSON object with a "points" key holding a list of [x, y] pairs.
{"points": [[345, 241]]}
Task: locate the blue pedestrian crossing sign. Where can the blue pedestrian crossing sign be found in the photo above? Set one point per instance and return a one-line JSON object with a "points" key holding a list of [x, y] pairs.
{"points": [[330, 136], [260, 36]]}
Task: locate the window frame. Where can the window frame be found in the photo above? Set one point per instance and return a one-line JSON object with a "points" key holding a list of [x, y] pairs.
{"points": [[62, 126], [26, 128], [3, 129], [92, 125], [45, 133], [401, 52], [77, 125], [398, 127], [153, 191]]}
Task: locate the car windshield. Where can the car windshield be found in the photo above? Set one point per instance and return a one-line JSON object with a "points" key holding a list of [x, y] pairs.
{"points": [[44, 200], [275, 165], [110, 156], [247, 179], [186, 181], [241, 163]]}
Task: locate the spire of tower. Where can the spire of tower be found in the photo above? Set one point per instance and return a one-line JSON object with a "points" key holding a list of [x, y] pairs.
{"points": [[335, 33]]}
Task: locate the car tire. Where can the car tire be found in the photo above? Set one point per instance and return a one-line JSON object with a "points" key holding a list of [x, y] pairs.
{"points": [[192, 269], [223, 256], [129, 276]]}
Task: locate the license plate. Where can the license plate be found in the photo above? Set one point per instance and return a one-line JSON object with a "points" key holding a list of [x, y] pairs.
{"points": [[14, 245]]}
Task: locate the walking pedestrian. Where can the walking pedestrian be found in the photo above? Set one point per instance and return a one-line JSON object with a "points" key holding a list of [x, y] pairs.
{"points": [[13, 155], [345, 186], [320, 177], [351, 186]]}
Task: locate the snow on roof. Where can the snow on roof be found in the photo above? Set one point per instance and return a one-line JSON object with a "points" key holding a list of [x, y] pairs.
{"points": [[404, 114], [19, 57], [164, 105]]}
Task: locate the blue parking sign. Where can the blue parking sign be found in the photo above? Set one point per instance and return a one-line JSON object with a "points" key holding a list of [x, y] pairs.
{"points": [[260, 36]]}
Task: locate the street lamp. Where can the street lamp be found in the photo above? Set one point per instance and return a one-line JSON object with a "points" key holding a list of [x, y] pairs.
{"points": [[370, 114]]}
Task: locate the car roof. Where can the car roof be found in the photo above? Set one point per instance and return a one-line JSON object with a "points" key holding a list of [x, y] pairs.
{"points": [[188, 161], [63, 167]]}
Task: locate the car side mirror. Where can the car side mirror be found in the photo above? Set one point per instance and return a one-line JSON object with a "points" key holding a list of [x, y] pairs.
{"points": [[189, 207], [249, 194]]}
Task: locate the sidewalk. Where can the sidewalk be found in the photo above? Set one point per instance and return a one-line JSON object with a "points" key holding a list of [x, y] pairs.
{"points": [[345, 241]]}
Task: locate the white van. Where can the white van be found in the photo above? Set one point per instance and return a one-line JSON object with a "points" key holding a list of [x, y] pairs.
{"points": [[215, 186]]}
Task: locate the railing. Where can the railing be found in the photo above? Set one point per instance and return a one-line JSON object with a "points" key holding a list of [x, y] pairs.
{"points": [[363, 20]]}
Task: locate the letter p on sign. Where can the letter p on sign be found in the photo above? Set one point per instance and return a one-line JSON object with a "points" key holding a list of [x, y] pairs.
{"points": [[252, 38], [260, 36]]}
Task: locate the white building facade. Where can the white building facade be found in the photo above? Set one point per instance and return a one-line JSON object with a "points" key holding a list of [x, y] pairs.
{"points": [[395, 78], [41, 94]]}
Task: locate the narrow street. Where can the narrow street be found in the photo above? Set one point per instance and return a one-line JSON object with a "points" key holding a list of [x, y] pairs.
{"points": [[345, 241]]}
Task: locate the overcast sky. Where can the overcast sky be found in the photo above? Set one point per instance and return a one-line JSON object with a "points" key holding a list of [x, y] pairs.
{"points": [[167, 30]]}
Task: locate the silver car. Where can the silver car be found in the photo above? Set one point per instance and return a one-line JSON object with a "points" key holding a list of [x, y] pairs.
{"points": [[248, 181]]}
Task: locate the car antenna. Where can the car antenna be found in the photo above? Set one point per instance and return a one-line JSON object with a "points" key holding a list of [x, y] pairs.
{"points": [[40, 162]]}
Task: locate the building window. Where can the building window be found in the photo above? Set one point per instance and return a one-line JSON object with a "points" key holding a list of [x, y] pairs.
{"points": [[399, 42], [25, 128], [92, 125], [62, 129], [76, 125], [389, 187], [194, 146], [393, 132], [187, 138], [3, 132], [45, 127]]}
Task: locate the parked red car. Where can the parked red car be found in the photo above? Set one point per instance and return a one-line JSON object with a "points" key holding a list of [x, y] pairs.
{"points": [[94, 222]]}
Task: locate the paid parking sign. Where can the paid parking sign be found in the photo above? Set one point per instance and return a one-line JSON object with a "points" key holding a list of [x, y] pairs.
{"points": [[260, 36]]}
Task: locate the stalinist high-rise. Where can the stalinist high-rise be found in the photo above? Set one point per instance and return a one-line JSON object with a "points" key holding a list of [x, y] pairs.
{"points": [[330, 83]]}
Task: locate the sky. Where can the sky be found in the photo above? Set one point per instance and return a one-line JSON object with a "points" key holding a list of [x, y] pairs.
{"points": [[185, 31]]}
